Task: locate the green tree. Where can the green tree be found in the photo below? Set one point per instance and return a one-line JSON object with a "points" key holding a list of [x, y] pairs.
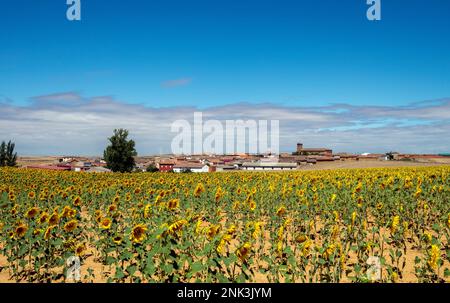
{"points": [[119, 155], [152, 168], [7, 155]]}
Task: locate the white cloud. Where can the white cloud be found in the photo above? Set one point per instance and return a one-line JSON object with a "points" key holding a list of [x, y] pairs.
{"points": [[68, 123]]}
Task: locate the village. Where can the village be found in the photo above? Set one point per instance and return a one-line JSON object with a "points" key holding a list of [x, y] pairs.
{"points": [[301, 158]]}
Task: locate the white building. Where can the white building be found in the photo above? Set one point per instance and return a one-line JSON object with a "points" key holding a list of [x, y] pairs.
{"points": [[268, 166], [193, 167]]}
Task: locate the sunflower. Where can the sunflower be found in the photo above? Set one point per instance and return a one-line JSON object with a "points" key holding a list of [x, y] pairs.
{"points": [[138, 233], [48, 232], [1, 226], [80, 249], [176, 226], [21, 230], [31, 195], [53, 220], [212, 231], [115, 199], [199, 189], [66, 211], [281, 211], [147, 210], [32, 212], [118, 240], [434, 256], [105, 223], [43, 218], [301, 238], [252, 205], [112, 208], [37, 232], [76, 201], [173, 204], [243, 251], [70, 226], [394, 224]]}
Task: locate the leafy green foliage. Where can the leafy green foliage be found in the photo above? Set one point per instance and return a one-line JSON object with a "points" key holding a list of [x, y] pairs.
{"points": [[119, 155]]}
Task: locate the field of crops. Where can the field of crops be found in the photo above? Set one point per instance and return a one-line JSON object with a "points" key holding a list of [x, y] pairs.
{"points": [[317, 226]]}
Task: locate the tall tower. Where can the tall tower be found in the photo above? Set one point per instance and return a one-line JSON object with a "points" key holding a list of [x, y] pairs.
{"points": [[299, 147]]}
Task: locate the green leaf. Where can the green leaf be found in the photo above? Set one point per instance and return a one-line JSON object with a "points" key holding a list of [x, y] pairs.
{"points": [[110, 260], [119, 273], [131, 269], [196, 266]]}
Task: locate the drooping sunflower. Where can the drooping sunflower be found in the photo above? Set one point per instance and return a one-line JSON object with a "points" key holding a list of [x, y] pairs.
{"points": [[434, 256], [48, 232], [80, 249], [21, 230], [53, 220], [66, 211], [76, 201], [395, 223], [105, 223], [112, 208], [212, 231], [147, 210], [37, 232], [71, 225], [243, 251], [173, 204], [176, 226], [138, 233], [43, 218], [199, 190], [281, 211], [32, 212]]}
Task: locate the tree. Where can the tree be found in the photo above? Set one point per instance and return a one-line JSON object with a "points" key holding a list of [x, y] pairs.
{"points": [[7, 155], [152, 168], [119, 155]]}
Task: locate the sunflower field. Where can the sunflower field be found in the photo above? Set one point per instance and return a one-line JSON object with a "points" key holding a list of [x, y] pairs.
{"points": [[315, 226]]}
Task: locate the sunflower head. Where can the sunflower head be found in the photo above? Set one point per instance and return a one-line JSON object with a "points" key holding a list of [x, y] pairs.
{"points": [[173, 204], [53, 220], [80, 249], [76, 201], [281, 211], [105, 223], [48, 232], [138, 233], [32, 212], [118, 240], [71, 225], [243, 251], [43, 218], [112, 208], [21, 230]]}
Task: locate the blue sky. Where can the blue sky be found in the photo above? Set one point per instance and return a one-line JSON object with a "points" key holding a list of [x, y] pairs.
{"points": [[216, 53]]}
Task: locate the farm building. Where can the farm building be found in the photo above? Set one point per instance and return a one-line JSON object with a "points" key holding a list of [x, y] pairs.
{"points": [[268, 166], [301, 151]]}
